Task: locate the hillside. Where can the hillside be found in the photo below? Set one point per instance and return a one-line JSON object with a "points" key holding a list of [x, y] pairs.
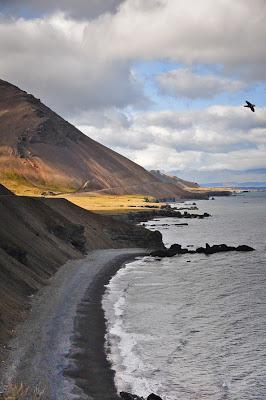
{"points": [[4, 191], [38, 235], [174, 180], [39, 149]]}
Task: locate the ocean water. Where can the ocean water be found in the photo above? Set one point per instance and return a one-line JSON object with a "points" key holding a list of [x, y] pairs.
{"points": [[194, 326]]}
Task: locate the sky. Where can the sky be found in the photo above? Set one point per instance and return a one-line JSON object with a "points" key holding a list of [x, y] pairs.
{"points": [[162, 82]]}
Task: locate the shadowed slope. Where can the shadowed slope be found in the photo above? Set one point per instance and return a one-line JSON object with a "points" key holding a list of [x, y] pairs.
{"points": [[5, 192], [38, 235]]}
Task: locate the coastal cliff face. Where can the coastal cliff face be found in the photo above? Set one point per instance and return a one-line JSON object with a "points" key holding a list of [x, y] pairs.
{"points": [[38, 235], [40, 149]]}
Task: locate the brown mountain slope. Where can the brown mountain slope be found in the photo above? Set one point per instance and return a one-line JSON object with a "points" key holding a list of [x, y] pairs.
{"points": [[186, 185], [39, 148]]}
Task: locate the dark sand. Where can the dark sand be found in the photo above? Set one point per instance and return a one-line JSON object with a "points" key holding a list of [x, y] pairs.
{"points": [[60, 347]]}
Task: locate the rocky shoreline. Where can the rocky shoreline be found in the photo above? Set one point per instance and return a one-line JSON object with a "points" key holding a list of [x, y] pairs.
{"points": [[84, 362], [176, 249], [65, 356], [144, 216], [38, 236], [129, 396]]}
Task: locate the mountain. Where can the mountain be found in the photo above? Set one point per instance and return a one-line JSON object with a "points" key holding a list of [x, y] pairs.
{"points": [[225, 177], [174, 180], [40, 149], [251, 184]]}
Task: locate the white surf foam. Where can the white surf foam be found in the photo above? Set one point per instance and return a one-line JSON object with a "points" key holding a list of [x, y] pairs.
{"points": [[130, 370]]}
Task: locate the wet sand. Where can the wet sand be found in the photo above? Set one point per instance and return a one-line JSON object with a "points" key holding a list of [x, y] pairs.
{"points": [[60, 347]]}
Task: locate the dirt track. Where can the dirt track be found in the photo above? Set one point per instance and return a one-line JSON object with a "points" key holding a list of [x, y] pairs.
{"points": [[38, 355]]}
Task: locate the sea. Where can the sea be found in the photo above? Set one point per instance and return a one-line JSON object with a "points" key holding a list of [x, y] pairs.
{"points": [[194, 326]]}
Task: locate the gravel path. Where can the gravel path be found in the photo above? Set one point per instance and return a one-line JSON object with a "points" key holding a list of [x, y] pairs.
{"points": [[39, 351]]}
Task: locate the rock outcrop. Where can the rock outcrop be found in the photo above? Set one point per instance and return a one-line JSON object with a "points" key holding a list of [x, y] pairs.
{"points": [[143, 216], [153, 396], [219, 248], [129, 396], [216, 248]]}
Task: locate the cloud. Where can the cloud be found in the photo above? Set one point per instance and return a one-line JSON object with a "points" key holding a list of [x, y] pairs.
{"points": [[79, 9], [209, 139], [114, 129], [58, 60], [235, 160], [215, 129], [78, 64], [78, 57], [185, 83]]}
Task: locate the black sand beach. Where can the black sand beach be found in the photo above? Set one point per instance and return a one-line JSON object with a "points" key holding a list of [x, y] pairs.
{"points": [[60, 347], [91, 370]]}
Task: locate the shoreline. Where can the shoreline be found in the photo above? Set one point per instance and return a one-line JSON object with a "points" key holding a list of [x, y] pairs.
{"points": [[60, 347], [89, 350]]}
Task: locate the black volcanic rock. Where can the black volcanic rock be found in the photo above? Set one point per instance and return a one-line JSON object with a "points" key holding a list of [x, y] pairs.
{"points": [[219, 248], [216, 248], [144, 216], [153, 396], [129, 396], [172, 251], [159, 253], [244, 247]]}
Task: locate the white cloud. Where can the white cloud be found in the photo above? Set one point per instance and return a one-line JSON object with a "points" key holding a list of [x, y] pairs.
{"points": [[52, 59], [235, 160], [217, 137], [184, 83], [80, 60], [84, 64]]}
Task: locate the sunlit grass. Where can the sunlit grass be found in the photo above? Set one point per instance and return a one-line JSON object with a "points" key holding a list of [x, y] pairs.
{"points": [[112, 203], [22, 187], [102, 203]]}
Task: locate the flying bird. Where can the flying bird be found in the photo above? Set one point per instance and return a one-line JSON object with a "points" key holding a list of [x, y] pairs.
{"points": [[250, 105]]}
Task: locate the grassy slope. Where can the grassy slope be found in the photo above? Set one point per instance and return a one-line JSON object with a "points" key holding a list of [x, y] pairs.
{"points": [[101, 203], [111, 203], [20, 186]]}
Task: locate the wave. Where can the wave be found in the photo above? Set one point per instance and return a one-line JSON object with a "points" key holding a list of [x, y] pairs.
{"points": [[131, 373]]}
